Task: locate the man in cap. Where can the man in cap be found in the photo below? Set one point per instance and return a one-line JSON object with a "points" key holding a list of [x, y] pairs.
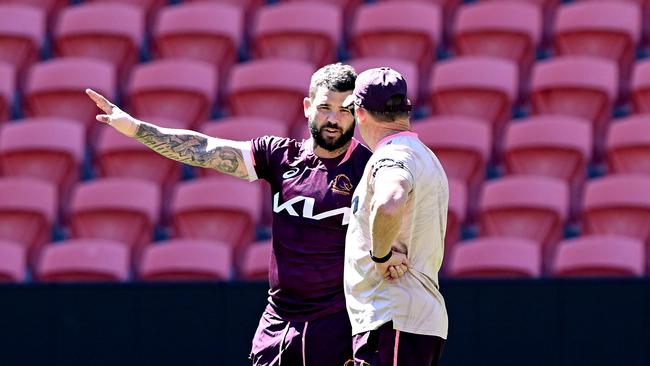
{"points": [[399, 216]]}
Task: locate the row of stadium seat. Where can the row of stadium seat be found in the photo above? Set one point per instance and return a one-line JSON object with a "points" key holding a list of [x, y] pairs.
{"points": [[553, 146], [228, 210], [311, 32], [204, 260], [327, 23], [511, 257], [186, 91], [107, 260]]}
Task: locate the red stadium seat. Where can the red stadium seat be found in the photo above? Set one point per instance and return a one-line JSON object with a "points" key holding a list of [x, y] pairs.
{"points": [[55, 88], [225, 210], [448, 8], [553, 146], [645, 14], [27, 212], [256, 262], [589, 29], [250, 7], [347, 7], [507, 30], [7, 90], [186, 260], [628, 146], [600, 256], [480, 87], [456, 214], [582, 87], [90, 30], [243, 128], [640, 88], [22, 33], [496, 257], [84, 260], [150, 7], [528, 207], [124, 157], [462, 144], [120, 209], [246, 129], [258, 88], [548, 9], [13, 262], [190, 31], [619, 205], [181, 90], [51, 8], [408, 69], [405, 30], [312, 35], [51, 149]]}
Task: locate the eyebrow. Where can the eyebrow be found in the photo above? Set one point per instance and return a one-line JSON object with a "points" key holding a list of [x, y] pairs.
{"points": [[340, 107]]}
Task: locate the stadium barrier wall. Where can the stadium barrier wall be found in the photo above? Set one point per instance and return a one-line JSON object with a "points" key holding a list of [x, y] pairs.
{"points": [[522, 323]]}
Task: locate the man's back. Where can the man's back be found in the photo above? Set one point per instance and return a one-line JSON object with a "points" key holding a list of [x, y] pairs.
{"points": [[413, 303]]}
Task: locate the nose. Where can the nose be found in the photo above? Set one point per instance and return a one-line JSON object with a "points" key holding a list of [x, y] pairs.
{"points": [[334, 117]]}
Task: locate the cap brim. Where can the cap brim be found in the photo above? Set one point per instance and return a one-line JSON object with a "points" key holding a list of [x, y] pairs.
{"points": [[348, 101]]}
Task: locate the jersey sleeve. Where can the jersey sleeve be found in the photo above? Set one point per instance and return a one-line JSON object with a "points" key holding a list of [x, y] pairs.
{"points": [[263, 157], [393, 160]]}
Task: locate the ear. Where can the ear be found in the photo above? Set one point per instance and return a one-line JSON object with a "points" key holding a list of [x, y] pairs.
{"points": [[361, 115], [306, 104]]}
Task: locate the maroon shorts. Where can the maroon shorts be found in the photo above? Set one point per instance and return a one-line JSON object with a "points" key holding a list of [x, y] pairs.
{"points": [[386, 346], [326, 341]]}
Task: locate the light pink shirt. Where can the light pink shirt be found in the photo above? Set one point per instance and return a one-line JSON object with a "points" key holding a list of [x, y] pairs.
{"points": [[414, 303]]}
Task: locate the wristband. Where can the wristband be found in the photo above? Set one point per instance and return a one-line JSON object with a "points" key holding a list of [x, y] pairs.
{"points": [[382, 259]]}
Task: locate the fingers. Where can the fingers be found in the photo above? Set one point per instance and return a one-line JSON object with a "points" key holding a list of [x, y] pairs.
{"points": [[393, 272], [103, 118], [401, 259], [401, 270], [100, 101], [388, 277]]}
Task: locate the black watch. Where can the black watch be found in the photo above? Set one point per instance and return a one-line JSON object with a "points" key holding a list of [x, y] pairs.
{"points": [[382, 259]]}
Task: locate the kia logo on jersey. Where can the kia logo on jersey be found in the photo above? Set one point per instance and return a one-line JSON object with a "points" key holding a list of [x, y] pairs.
{"points": [[308, 209]]}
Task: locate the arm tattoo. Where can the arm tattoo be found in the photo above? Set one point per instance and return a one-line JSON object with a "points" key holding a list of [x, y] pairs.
{"points": [[192, 148]]}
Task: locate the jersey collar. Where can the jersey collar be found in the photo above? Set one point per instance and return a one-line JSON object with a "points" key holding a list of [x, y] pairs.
{"points": [[388, 138]]}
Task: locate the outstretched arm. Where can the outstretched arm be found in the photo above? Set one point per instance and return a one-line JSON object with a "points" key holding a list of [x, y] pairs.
{"points": [[185, 146]]}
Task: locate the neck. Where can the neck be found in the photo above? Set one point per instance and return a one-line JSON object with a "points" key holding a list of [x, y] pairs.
{"points": [[383, 130], [326, 154]]}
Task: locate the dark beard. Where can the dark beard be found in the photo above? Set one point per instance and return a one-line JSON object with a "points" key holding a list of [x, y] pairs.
{"points": [[334, 145]]}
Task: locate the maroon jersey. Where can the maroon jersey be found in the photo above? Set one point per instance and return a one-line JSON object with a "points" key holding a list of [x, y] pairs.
{"points": [[311, 210]]}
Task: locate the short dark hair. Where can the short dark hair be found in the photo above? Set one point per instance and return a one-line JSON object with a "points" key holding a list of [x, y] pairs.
{"points": [[335, 77], [391, 114]]}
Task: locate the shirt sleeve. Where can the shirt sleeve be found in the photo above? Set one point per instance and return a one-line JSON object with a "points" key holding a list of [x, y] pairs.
{"points": [[396, 161], [262, 152]]}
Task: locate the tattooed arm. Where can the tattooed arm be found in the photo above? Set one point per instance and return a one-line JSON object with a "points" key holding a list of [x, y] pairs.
{"points": [[196, 149], [185, 146]]}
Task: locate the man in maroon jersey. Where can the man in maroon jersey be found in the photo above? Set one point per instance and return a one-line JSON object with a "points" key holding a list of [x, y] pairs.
{"points": [[305, 322]]}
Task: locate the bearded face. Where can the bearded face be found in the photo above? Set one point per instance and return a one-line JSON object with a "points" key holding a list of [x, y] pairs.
{"points": [[331, 125]]}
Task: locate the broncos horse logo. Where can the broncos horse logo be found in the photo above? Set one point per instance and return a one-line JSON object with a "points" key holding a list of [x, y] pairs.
{"points": [[341, 184]]}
